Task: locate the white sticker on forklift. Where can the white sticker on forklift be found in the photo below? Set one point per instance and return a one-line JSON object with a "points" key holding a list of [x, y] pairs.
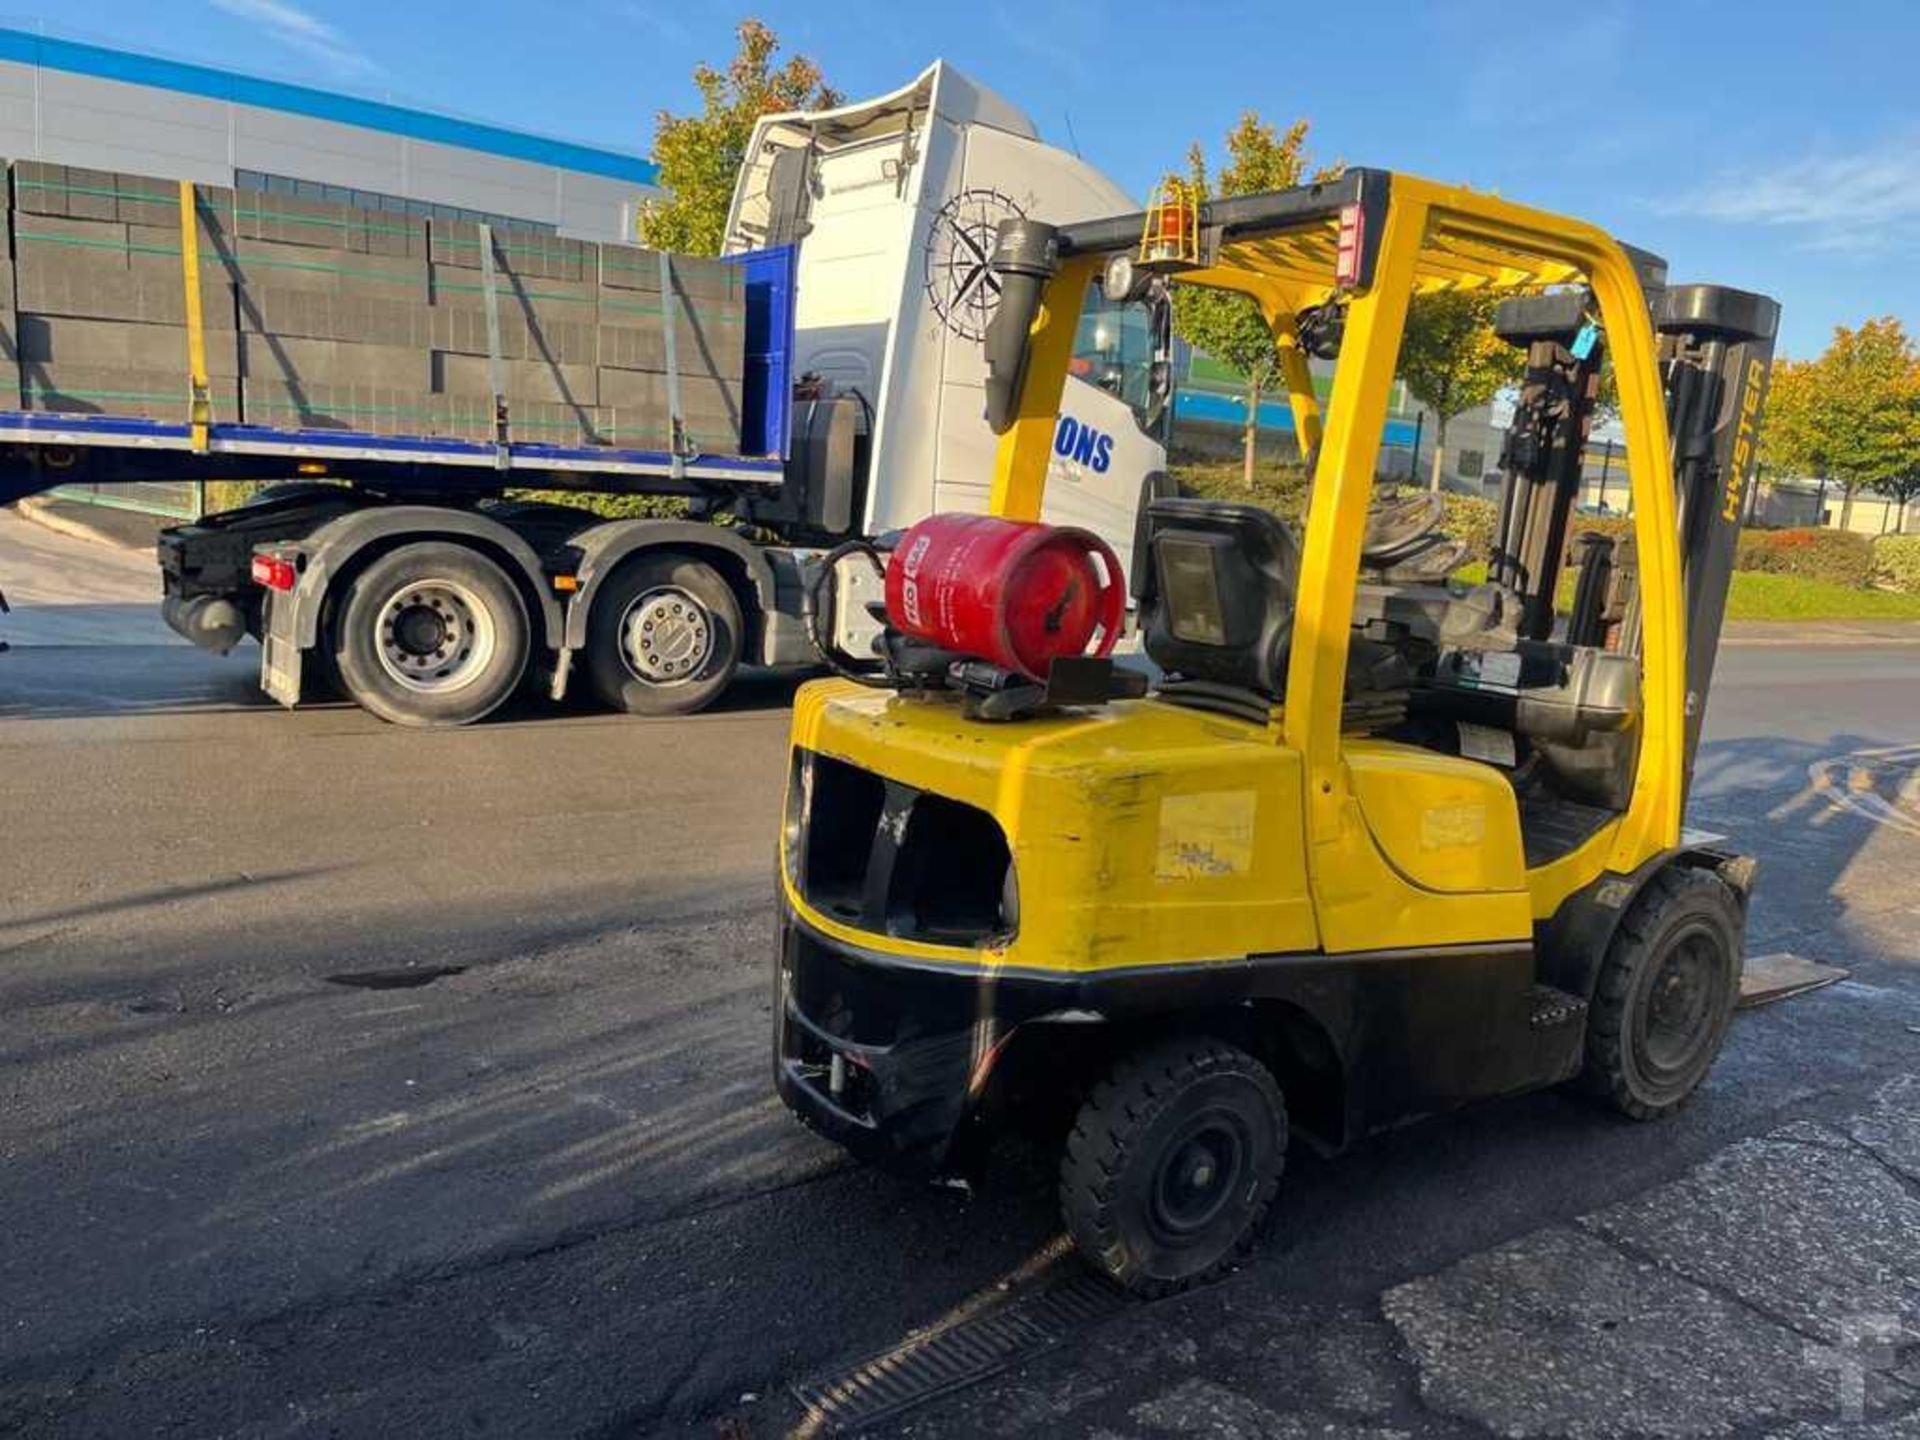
{"points": [[1484, 742], [1500, 668], [1206, 836], [1446, 826]]}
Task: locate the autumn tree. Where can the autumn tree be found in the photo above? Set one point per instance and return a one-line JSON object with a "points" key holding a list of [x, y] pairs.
{"points": [[1451, 360], [1790, 438], [700, 155], [1850, 417], [1227, 326]]}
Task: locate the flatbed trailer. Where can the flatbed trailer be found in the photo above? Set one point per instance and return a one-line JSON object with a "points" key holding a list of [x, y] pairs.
{"points": [[405, 572], [354, 498], [44, 451]]}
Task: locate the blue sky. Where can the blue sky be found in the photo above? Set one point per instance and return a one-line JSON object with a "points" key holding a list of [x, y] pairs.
{"points": [[1757, 144]]}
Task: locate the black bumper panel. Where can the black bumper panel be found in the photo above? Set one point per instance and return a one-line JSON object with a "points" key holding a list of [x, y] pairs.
{"points": [[887, 1057], [879, 1058]]}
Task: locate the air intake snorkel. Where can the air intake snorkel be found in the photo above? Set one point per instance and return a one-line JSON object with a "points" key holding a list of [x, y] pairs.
{"points": [[1025, 257]]}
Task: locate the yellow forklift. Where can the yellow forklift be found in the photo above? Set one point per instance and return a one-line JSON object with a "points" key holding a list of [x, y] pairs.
{"points": [[1373, 842]]}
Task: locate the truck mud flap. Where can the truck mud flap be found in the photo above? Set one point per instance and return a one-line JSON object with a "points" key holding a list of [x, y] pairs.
{"points": [[280, 657]]}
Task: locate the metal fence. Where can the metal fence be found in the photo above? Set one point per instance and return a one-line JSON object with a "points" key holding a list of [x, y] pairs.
{"points": [[175, 499]]}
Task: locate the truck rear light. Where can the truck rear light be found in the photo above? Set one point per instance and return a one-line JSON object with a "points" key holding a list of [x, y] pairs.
{"points": [[1353, 235], [274, 572]]}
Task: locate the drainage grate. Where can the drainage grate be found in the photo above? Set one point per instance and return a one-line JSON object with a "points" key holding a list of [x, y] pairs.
{"points": [[925, 1367]]}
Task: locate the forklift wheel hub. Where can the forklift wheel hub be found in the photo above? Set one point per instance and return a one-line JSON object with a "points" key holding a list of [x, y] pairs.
{"points": [[1199, 1175], [1679, 1003]]}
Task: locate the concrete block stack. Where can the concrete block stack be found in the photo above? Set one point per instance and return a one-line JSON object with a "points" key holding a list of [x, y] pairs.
{"points": [[709, 343], [333, 317], [99, 302], [320, 316], [543, 288]]}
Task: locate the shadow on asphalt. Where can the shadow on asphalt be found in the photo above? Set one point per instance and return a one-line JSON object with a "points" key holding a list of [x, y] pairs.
{"points": [[557, 1186], [1781, 800], [87, 682], [90, 681]]}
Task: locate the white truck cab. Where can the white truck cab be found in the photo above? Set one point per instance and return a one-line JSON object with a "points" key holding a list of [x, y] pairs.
{"points": [[894, 297]]}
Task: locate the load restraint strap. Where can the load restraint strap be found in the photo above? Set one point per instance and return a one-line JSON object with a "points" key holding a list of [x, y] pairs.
{"points": [[496, 381], [199, 398], [669, 327]]}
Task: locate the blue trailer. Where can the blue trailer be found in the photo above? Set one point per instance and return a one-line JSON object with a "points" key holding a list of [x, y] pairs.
{"points": [[400, 570]]}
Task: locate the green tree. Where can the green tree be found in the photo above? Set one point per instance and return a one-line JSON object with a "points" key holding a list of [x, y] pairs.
{"points": [[1902, 488], [1452, 361], [1850, 417], [1227, 326], [700, 155]]}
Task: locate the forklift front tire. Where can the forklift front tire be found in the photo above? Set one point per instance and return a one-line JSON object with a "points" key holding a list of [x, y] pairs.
{"points": [[1666, 994], [1172, 1163]]}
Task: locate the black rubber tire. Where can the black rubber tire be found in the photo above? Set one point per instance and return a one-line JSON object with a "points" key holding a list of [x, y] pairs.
{"points": [[355, 643], [616, 683], [1128, 1141], [1679, 909]]}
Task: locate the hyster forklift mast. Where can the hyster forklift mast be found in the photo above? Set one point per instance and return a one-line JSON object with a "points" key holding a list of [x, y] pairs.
{"points": [[1373, 842], [1716, 352], [1716, 348], [1545, 446]]}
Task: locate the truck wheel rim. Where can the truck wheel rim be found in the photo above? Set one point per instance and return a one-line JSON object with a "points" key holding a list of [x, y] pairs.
{"points": [[666, 637], [435, 636]]}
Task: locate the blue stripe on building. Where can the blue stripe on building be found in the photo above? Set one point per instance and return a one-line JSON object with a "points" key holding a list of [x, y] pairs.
{"points": [[1212, 408], [76, 58]]}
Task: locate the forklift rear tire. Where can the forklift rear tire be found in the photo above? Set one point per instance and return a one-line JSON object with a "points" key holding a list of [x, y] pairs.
{"points": [[1666, 994], [431, 634], [664, 637], [1172, 1163]]}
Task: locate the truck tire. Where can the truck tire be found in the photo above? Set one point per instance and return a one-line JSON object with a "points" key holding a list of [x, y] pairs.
{"points": [[1172, 1163], [431, 634], [1666, 994], [664, 637]]}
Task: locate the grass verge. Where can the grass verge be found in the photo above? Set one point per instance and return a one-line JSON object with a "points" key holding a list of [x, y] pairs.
{"points": [[1756, 596]]}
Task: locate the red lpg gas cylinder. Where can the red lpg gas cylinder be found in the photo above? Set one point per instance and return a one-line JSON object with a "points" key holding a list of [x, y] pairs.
{"points": [[1009, 591]]}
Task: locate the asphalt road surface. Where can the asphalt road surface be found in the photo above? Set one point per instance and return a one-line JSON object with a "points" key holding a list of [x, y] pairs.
{"points": [[363, 1081]]}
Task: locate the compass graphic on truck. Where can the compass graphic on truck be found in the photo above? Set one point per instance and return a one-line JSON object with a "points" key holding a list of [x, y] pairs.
{"points": [[960, 282]]}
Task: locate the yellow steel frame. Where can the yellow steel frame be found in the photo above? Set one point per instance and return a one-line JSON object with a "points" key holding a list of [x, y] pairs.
{"points": [[1434, 237], [1020, 465]]}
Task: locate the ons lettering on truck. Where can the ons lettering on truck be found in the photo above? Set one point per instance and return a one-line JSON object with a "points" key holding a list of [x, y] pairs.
{"points": [[1079, 442]]}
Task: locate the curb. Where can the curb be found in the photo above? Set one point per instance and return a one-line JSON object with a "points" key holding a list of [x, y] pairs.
{"points": [[42, 515], [1839, 640]]}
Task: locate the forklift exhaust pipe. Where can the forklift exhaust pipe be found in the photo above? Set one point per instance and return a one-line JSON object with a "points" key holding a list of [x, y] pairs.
{"points": [[1025, 257]]}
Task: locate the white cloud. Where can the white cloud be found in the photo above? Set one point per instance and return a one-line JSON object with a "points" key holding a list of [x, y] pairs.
{"points": [[303, 31], [1864, 202]]}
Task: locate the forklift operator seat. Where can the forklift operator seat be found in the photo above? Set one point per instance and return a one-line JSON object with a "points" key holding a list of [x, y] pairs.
{"points": [[1216, 601]]}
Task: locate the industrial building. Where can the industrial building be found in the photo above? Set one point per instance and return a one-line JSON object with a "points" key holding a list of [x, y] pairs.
{"points": [[69, 103]]}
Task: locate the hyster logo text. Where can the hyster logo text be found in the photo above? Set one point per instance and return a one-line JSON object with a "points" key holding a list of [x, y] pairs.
{"points": [[1081, 443], [1742, 467]]}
